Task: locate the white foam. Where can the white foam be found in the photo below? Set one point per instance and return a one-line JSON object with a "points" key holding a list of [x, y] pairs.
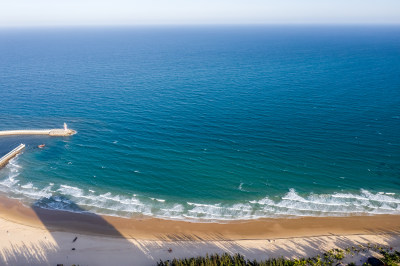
{"points": [[290, 204], [72, 191], [36, 194], [13, 172], [12, 164], [175, 210], [159, 200], [241, 187], [27, 186], [10, 181]]}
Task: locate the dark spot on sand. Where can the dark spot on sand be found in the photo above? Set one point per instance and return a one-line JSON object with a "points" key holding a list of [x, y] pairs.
{"points": [[74, 239], [375, 261]]}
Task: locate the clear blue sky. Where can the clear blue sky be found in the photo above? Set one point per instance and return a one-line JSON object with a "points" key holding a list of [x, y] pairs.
{"points": [[135, 12]]}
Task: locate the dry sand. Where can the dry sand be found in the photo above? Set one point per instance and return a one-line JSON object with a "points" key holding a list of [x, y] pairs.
{"points": [[30, 236]]}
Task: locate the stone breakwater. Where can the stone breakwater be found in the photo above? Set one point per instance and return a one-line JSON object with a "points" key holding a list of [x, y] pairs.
{"points": [[50, 132], [6, 158]]}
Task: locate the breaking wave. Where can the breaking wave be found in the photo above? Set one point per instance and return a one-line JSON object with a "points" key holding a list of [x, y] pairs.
{"points": [[71, 198]]}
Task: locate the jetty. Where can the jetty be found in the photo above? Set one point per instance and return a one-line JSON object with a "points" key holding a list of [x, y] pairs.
{"points": [[4, 160], [57, 132]]}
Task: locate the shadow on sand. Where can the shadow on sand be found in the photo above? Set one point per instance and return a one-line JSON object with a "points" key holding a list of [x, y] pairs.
{"points": [[73, 238], [89, 239]]}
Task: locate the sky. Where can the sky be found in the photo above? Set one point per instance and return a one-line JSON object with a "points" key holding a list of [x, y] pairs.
{"points": [[23, 13]]}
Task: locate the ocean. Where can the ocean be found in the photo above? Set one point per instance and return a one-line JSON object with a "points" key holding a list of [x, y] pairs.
{"points": [[204, 123]]}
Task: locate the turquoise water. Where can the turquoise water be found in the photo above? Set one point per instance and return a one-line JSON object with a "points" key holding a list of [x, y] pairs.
{"points": [[204, 122]]}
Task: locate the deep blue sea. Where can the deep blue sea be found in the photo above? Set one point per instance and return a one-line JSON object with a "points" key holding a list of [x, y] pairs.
{"points": [[205, 123]]}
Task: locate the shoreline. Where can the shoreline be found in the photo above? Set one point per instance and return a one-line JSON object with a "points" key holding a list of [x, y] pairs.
{"points": [[149, 228], [32, 236]]}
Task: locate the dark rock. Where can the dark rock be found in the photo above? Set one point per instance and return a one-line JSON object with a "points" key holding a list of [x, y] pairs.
{"points": [[74, 239], [375, 261], [73, 248]]}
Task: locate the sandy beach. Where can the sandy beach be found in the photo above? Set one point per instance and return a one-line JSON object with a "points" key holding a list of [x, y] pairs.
{"points": [[31, 236]]}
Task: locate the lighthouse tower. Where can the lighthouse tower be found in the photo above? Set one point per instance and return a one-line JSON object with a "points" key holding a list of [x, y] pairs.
{"points": [[65, 126]]}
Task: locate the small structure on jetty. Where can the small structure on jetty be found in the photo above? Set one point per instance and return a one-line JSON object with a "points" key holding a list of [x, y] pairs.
{"points": [[57, 132], [6, 158]]}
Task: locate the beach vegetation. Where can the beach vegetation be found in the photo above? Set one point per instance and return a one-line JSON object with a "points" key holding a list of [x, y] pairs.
{"points": [[331, 257], [391, 258]]}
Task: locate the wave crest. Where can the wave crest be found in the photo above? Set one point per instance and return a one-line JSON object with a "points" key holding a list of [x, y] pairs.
{"points": [[67, 197]]}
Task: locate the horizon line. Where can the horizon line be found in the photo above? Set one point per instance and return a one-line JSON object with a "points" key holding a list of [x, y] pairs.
{"points": [[200, 25]]}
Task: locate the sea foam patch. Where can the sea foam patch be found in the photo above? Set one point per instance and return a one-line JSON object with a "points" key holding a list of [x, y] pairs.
{"points": [[72, 198]]}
